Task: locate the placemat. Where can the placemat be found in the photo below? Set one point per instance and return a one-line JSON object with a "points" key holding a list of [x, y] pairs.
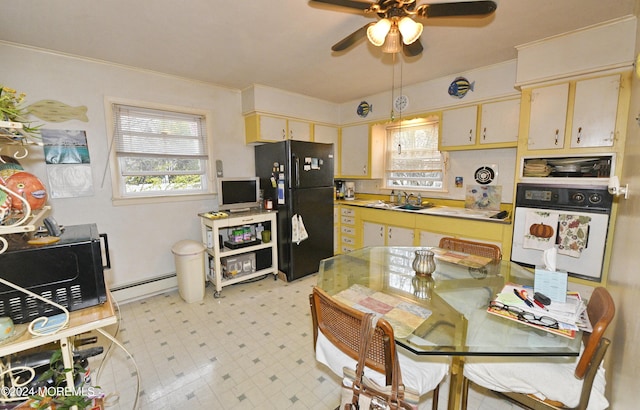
{"points": [[403, 316]]}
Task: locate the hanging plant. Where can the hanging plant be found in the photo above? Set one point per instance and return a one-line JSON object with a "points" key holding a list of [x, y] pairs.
{"points": [[13, 111]]}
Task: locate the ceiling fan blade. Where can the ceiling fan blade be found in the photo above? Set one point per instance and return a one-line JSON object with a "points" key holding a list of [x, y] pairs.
{"points": [[351, 39], [469, 8], [412, 49], [352, 4]]}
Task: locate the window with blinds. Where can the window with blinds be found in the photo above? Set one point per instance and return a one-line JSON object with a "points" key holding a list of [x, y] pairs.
{"points": [[160, 152], [412, 157]]}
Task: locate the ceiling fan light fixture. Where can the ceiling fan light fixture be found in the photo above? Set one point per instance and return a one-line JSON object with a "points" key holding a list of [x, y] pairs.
{"points": [[410, 30], [392, 44], [376, 33]]}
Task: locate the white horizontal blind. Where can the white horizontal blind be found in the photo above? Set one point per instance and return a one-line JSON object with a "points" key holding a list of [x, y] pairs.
{"points": [[154, 133], [413, 160], [159, 152]]}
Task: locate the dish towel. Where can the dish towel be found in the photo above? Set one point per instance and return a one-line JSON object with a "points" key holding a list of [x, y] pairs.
{"points": [[298, 231], [573, 234], [540, 230]]}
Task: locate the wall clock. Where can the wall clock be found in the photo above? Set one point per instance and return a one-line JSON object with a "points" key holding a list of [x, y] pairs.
{"points": [[401, 103]]}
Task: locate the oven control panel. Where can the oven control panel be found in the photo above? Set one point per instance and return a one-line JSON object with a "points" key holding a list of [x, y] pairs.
{"points": [[568, 197]]}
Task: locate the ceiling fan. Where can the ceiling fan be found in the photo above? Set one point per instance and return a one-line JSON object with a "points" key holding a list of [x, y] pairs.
{"points": [[396, 29]]}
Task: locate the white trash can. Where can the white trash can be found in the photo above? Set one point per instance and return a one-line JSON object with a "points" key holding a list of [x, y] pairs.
{"points": [[189, 258]]}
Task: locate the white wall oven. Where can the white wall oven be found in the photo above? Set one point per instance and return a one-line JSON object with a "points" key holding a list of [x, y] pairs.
{"points": [[572, 218]]}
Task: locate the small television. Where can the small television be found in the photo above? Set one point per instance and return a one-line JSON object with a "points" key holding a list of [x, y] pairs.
{"points": [[238, 194]]}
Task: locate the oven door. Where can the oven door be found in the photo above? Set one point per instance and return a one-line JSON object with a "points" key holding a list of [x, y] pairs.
{"points": [[586, 264]]}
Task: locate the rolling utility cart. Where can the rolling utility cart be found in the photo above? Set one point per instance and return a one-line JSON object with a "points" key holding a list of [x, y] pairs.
{"points": [[235, 250]]}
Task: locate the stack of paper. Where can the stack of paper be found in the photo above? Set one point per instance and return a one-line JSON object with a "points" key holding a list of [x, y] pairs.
{"points": [[571, 315]]}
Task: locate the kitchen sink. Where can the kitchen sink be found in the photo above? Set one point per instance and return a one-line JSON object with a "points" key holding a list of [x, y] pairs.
{"points": [[411, 207]]}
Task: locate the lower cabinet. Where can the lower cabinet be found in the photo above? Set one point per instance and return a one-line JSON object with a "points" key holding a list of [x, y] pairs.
{"points": [[362, 226], [374, 234]]}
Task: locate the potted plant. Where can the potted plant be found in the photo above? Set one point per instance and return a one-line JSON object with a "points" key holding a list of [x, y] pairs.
{"points": [[14, 125], [52, 384]]}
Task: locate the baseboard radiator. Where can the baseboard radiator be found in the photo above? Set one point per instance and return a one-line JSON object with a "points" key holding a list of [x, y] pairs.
{"points": [[143, 289]]}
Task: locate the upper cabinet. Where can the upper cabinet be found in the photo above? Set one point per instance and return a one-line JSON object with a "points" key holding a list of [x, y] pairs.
{"points": [[548, 117], [589, 107], [362, 151], [498, 128], [459, 127], [354, 152], [267, 128], [329, 135], [594, 112], [499, 122]]}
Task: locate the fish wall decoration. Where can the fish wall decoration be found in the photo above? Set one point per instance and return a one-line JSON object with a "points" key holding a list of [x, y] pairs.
{"points": [[56, 111], [364, 108], [460, 86]]}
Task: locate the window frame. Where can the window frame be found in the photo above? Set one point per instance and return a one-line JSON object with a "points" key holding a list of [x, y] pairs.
{"points": [[119, 197], [444, 157]]}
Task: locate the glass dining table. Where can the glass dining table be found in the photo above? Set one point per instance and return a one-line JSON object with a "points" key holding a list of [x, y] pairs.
{"points": [[444, 313]]}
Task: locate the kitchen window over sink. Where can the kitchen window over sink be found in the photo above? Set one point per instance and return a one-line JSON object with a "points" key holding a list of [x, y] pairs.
{"points": [[159, 152], [412, 157]]}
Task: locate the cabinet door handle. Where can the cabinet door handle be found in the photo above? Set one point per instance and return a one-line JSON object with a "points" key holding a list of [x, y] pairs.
{"points": [[381, 232], [284, 134], [579, 135], [291, 134], [389, 233], [557, 132], [484, 133], [470, 134]]}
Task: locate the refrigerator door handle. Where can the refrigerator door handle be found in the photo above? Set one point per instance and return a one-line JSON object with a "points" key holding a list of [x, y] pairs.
{"points": [[296, 170]]}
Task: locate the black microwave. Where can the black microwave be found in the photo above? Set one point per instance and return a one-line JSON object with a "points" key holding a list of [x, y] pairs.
{"points": [[69, 272]]}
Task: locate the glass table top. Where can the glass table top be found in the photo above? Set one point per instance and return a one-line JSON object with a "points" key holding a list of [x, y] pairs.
{"points": [[445, 314]]}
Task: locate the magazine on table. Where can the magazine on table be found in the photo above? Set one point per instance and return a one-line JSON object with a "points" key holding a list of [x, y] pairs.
{"points": [[516, 302]]}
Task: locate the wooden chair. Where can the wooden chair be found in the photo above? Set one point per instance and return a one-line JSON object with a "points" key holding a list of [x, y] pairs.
{"points": [[601, 310], [475, 248], [341, 324]]}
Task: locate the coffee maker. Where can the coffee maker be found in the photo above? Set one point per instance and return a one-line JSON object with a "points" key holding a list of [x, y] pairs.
{"points": [[339, 189], [350, 190]]}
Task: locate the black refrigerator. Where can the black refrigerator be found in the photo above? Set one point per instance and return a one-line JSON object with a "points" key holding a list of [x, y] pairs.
{"points": [[298, 177]]}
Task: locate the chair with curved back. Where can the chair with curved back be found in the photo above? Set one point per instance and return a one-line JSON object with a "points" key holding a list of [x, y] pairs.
{"points": [[543, 383], [475, 248], [336, 337]]}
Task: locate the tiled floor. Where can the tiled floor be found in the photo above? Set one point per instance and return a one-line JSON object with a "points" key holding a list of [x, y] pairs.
{"points": [[250, 349]]}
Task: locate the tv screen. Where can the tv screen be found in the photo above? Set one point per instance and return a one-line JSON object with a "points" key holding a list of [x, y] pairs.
{"points": [[236, 194]]}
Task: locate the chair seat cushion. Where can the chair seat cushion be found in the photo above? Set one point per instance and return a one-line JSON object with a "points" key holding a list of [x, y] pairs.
{"points": [[545, 377], [421, 374]]}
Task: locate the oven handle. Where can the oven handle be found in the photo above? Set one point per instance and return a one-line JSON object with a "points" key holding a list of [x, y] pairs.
{"points": [[105, 240]]}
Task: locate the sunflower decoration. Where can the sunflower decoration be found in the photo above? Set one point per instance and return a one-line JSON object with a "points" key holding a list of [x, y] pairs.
{"points": [[14, 125]]}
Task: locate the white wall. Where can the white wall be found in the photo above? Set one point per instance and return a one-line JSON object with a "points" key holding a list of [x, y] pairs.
{"points": [[140, 236], [490, 82]]}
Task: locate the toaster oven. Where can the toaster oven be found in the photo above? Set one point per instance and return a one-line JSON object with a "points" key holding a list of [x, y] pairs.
{"points": [[69, 272]]}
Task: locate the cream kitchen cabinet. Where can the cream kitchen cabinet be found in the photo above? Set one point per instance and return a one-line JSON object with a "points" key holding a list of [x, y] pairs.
{"points": [[548, 117], [594, 112], [590, 106], [348, 231], [499, 122], [459, 127], [267, 128], [354, 152], [329, 135], [378, 231], [375, 234]]}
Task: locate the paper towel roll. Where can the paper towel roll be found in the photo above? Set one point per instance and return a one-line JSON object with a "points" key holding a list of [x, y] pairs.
{"points": [[550, 256]]}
